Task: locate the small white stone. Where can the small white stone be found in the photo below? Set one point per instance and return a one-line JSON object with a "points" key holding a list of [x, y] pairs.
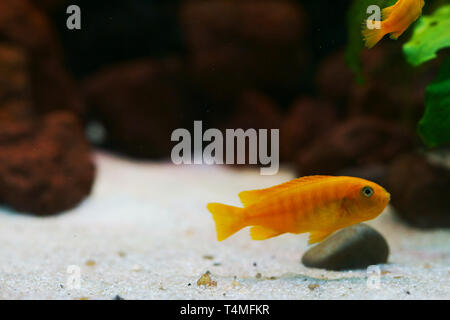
{"points": [[136, 268]]}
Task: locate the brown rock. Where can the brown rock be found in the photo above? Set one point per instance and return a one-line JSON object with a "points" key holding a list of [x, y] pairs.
{"points": [[26, 27], [334, 78], [241, 44], [15, 87], [420, 191], [307, 119], [140, 103], [45, 165], [358, 141], [384, 93], [253, 111]]}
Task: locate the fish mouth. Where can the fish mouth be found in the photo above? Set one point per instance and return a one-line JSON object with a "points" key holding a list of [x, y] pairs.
{"points": [[385, 199], [387, 194]]}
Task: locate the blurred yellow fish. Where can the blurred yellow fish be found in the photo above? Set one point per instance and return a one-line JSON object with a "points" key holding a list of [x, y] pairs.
{"points": [[396, 20], [319, 205]]}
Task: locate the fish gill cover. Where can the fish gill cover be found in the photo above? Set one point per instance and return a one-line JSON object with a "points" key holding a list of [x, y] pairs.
{"points": [[431, 34]]}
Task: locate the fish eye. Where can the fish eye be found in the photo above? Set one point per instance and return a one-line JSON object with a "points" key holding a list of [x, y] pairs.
{"points": [[367, 191]]}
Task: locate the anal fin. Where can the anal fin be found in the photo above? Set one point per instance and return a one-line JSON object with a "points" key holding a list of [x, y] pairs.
{"points": [[317, 236], [396, 35], [261, 233]]}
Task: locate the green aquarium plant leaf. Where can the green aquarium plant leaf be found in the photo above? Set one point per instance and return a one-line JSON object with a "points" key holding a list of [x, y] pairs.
{"points": [[434, 127], [431, 34], [356, 21]]}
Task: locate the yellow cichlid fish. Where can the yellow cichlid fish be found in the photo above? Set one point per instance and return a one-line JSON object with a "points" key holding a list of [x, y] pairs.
{"points": [[319, 205], [395, 20]]}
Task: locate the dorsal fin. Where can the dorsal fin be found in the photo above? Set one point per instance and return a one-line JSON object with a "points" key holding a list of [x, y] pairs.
{"points": [[249, 197]]}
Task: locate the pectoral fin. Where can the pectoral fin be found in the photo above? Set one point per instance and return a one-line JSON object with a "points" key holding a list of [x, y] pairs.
{"points": [[261, 233], [317, 236]]}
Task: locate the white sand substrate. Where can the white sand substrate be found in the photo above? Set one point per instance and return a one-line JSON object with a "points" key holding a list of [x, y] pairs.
{"points": [[145, 233]]}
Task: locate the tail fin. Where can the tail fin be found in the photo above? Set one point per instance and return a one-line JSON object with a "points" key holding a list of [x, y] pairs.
{"points": [[373, 36], [229, 219]]}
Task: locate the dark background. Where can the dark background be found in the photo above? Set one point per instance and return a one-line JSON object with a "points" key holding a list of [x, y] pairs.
{"points": [[139, 69]]}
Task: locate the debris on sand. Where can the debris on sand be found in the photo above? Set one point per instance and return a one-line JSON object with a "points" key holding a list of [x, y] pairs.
{"points": [[205, 280], [90, 263]]}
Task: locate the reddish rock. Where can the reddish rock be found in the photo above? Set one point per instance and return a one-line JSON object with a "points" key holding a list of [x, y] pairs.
{"points": [[420, 191], [25, 26], [241, 44], [140, 103], [307, 119], [15, 87], [384, 93], [356, 142], [253, 110], [45, 165], [334, 78]]}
